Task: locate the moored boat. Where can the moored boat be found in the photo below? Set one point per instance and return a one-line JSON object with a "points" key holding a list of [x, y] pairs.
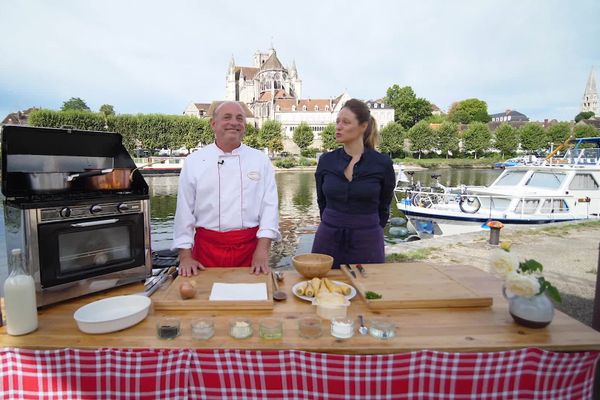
{"points": [[558, 189]]}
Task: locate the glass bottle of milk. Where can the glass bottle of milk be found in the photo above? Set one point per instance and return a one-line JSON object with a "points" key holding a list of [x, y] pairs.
{"points": [[19, 298]]}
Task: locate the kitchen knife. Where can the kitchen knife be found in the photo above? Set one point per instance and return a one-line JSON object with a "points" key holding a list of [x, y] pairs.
{"points": [[351, 270], [361, 269]]}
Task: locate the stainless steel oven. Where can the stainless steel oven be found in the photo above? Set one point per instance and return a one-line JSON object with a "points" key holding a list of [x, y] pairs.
{"points": [[75, 241], [72, 252]]}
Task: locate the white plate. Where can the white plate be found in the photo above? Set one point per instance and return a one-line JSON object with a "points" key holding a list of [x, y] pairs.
{"points": [[348, 296], [112, 314]]}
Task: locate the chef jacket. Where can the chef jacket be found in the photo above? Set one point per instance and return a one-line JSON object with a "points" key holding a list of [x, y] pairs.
{"points": [[224, 192]]}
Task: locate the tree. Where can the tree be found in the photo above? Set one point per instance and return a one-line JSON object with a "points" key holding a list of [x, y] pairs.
{"points": [[392, 139], [409, 109], [107, 109], [583, 130], [270, 136], [251, 137], [437, 119], [507, 140], [533, 137], [469, 110], [446, 139], [328, 141], [477, 138], [584, 115], [558, 133], [303, 135], [75, 103], [195, 132], [421, 138]]}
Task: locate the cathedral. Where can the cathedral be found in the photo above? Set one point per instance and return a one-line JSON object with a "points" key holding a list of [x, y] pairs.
{"points": [[274, 92], [590, 96], [262, 83]]}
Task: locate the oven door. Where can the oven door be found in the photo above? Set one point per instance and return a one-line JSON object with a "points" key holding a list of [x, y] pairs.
{"points": [[75, 250]]}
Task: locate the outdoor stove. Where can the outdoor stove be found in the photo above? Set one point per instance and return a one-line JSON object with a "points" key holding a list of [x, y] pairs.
{"points": [[76, 241]]}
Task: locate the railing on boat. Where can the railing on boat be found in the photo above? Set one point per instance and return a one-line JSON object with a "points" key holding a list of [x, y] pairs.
{"points": [[576, 155]]}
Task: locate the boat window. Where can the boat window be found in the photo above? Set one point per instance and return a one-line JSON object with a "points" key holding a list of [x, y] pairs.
{"points": [[510, 178], [548, 180], [495, 203], [582, 182], [528, 207], [554, 206]]}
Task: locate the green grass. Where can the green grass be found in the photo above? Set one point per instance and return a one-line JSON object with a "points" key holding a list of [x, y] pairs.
{"points": [[415, 255], [563, 228]]}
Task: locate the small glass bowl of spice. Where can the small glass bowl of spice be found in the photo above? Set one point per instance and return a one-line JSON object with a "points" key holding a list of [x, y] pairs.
{"points": [[342, 327], [382, 328], [270, 328], [168, 328], [203, 328], [310, 327], [240, 328]]}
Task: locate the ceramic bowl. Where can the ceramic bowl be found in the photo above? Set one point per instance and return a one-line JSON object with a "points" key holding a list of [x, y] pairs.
{"points": [[112, 314], [312, 265]]}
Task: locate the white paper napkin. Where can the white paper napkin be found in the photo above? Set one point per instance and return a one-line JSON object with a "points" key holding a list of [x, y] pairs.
{"points": [[238, 291]]}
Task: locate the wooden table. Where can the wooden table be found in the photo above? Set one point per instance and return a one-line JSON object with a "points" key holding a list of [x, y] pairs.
{"points": [[455, 330]]}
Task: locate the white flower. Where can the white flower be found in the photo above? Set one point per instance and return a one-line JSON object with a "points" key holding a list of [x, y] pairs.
{"points": [[503, 262], [522, 285]]}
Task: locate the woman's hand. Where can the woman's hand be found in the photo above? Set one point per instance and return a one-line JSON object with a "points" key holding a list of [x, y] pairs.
{"points": [[187, 265]]}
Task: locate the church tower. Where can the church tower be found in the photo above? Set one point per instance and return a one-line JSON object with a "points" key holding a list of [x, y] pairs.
{"points": [[230, 86], [296, 83], [590, 96]]}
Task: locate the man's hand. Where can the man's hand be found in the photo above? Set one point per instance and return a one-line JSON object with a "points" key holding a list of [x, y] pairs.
{"points": [[260, 258], [187, 265]]}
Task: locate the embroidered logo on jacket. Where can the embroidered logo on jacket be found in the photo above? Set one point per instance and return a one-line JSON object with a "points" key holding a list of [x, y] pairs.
{"points": [[254, 175]]}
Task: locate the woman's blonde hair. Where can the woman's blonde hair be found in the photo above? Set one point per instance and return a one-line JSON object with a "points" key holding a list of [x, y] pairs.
{"points": [[363, 114]]}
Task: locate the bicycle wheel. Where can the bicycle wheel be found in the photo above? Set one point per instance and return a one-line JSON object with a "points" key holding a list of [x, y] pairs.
{"points": [[422, 200], [469, 204]]}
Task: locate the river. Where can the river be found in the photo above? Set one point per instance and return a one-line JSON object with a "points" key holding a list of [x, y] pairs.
{"points": [[299, 213]]}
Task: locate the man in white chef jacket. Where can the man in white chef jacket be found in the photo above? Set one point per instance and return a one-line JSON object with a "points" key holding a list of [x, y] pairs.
{"points": [[227, 206]]}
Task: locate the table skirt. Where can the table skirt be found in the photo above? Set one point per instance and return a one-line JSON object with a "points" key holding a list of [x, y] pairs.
{"points": [[289, 374]]}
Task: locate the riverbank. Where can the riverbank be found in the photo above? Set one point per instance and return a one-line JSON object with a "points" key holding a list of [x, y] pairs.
{"points": [[569, 253]]}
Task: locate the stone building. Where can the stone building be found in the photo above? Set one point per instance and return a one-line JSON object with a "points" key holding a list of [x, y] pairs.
{"points": [[508, 116], [274, 92]]}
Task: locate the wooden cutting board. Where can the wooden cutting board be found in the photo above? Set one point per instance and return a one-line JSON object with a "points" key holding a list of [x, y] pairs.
{"points": [[414, 285], [170, 298]]}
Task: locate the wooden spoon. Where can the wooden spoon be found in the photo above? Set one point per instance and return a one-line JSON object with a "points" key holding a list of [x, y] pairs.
{"points": [[278, 295]]}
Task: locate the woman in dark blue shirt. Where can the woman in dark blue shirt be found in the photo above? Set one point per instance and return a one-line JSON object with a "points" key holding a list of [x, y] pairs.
{"points": [[355, 185]]}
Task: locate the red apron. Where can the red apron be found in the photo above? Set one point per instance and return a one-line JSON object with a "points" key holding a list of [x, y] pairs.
{"points": [[225, 249]]}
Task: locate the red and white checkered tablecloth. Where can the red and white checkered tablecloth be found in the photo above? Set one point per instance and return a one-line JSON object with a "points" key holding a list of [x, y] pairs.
{"points": [[94, 374], [289, 374]]}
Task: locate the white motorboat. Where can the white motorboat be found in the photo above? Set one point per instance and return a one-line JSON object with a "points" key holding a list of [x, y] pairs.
{"points": [[559, 189]]}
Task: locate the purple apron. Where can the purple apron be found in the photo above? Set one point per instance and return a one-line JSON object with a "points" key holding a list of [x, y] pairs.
{"points": [[350, 238]]}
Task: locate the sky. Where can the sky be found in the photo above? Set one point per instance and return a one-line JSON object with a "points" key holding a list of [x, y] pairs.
{"points": [[151, 56]]}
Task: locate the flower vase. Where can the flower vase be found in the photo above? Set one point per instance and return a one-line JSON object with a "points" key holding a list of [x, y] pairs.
{"points": [[533, 312]]}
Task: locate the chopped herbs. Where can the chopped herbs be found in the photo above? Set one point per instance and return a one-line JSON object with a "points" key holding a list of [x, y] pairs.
{"points": [[373, 295]]}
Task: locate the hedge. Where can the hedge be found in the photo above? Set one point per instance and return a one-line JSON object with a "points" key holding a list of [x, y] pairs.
{"points": [[150, 131]]}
